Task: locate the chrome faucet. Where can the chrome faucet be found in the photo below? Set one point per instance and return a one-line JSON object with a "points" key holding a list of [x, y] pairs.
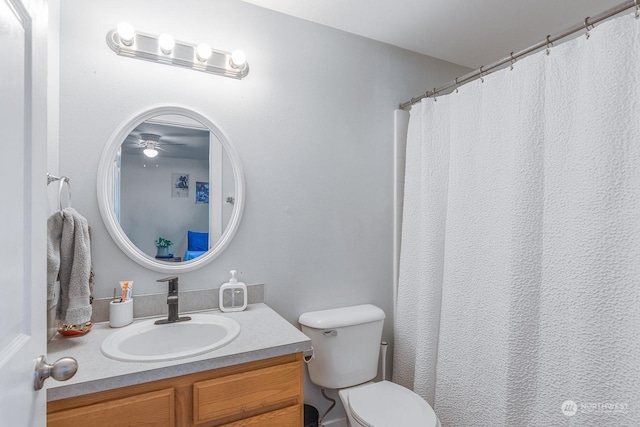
{"points": [[172, 302]]}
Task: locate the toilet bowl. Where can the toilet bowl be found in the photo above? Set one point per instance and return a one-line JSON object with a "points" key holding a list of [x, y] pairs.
{"points": [[346, 345], [386, 404]]}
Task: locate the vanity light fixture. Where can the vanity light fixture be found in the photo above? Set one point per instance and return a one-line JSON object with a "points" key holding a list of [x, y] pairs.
{"points": [[126, 41]]}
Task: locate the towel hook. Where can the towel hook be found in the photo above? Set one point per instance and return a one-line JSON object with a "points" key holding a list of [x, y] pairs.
{"points": [[513, 60], [549, 44], [586, 26]]}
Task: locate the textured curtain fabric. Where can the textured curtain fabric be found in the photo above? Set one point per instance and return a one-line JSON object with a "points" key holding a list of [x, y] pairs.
{"points": [[519, 289]]}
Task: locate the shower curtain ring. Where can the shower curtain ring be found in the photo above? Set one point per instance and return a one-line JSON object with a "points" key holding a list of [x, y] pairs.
{"points": [[434, 94], [637, 9], [549, 44], [586, 27], [513, 61], [481, 75], [456, 85]]}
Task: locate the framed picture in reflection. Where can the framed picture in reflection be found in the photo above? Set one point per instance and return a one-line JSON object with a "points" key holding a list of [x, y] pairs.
{"points": [[179, 185], [202, 192]]}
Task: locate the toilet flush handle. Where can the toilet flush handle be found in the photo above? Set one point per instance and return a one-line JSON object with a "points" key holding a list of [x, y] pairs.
{"points": [[331, 333]]}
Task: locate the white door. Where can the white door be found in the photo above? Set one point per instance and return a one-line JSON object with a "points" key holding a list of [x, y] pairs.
{"points": [[22, 220]]}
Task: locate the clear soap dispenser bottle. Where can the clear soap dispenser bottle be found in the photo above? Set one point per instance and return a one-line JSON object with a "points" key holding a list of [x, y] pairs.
{"points": [[233, 295]]}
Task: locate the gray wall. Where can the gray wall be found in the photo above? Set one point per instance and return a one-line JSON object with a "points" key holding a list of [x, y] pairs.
{"points": [[313, 125]]}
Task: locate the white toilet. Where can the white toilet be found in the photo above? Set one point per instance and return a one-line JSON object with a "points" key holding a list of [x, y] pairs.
{"points": [[346, 345]]}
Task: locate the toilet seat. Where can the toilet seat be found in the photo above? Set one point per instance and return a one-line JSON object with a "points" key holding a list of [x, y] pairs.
{"points": [[386, 404]]}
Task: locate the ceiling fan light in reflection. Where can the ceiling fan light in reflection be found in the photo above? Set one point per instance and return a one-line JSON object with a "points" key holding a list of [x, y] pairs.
{"points": [[149, 141], [150, 150]]}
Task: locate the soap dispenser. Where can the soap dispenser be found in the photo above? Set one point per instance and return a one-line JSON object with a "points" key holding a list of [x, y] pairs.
{"points": [[233, 295]]}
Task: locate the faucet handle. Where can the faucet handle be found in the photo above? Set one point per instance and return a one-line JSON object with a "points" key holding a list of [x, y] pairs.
{"points": [[173, 283]]}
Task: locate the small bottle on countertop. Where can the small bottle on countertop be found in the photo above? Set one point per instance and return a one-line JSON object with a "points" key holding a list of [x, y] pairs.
{"points": [[233, 295]]}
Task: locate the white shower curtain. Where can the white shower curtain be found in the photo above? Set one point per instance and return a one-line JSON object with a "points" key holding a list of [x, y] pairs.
{"points": [[519, 290]]}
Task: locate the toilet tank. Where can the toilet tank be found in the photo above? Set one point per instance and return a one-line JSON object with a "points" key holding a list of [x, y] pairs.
{"points": [[346, 344]]}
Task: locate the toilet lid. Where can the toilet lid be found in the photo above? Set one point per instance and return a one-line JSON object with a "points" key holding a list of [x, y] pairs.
{"points": [[386, 404]]}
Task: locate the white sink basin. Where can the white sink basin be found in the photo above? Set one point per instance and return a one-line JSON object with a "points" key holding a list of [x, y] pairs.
{"points": [[148, 342]]}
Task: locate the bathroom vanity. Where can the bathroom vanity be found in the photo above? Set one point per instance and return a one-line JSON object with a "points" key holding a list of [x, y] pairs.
{"points": [[256, 380]]}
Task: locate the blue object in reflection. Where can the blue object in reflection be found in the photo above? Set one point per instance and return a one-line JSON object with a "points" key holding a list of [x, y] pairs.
{"points": [[197, 244]]}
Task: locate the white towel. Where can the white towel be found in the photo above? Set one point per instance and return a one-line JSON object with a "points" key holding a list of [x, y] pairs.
{"points": [[69, 260]]}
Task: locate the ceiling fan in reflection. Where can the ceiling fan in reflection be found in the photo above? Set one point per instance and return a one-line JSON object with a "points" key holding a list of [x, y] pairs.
{"points": [[170, 142]]}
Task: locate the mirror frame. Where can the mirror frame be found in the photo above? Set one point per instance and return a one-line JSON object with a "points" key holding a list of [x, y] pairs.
{"points": [[105, 190]]}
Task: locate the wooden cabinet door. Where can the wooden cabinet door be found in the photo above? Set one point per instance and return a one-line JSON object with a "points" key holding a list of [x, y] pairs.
{"points": [[154, 409], [247, 394], [287, 417]]}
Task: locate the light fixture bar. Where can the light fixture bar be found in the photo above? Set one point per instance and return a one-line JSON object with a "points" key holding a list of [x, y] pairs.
{"points": [[147, 46]]}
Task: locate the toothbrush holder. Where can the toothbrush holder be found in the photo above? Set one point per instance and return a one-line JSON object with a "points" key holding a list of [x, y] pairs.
{"points": [[120, 313]]}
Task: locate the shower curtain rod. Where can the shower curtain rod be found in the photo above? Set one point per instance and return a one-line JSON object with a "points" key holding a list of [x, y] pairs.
{"points": [[588, 24]]}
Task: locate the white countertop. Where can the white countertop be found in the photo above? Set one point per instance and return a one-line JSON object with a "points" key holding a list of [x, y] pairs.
{"points": [[263, 334]]}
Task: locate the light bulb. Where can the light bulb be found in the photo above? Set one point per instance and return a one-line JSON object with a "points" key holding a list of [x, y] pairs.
{"points": [[238, 59], [150, 152], [203, 52], [150, 149], [126, 33], [167, 43]]}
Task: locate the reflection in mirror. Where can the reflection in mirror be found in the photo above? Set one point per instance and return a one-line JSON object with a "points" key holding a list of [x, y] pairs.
{"points": [[170, 189], [170, 195]]}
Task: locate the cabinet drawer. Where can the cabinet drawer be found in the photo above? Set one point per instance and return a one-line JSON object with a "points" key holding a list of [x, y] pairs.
{"points": [[287, 417], [248, 394], [154, 409]]}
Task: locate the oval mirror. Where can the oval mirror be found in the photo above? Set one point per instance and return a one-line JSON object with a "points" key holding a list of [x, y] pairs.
{"points": [[170, 189]]}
